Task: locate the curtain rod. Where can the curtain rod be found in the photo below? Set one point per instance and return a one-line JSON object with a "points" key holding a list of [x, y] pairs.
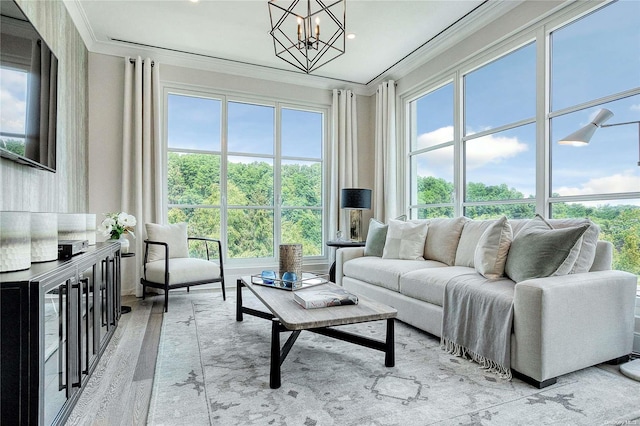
{"points": [[133, 61]]}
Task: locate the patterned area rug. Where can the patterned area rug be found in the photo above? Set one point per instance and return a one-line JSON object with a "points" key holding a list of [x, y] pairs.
{"points": [[214, 370]]}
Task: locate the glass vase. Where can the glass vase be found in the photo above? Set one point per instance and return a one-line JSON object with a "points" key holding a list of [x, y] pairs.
{"points": [[124, 244]]}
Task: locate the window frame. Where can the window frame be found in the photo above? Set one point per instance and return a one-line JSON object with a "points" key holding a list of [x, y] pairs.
{"points": [[277, 158], [411, 121], [540, 34]]}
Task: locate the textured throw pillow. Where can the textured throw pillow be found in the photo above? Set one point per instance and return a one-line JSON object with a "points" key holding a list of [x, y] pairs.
{"points": [[444, 235], [492, 249], [587, 246], [471, 233], [175, 235], [376, 237], [405, 240], [539, 251]]}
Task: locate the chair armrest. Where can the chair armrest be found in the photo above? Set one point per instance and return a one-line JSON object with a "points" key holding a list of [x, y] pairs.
{"points": [[158, 243], [166, 257], [206, 245]]}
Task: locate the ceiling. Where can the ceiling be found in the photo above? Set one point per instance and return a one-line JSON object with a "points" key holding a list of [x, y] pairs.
{"points": [[237, 32]]}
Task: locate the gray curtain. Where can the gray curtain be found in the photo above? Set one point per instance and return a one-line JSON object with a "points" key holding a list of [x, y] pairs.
{"points": [[385, 195], [141, 154], [344, 156]]}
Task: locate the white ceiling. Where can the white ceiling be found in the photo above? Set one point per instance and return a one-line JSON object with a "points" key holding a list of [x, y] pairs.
{"points": [[237, 32]]}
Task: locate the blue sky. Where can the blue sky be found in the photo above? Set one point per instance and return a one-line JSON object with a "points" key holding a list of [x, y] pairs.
{"points": [[595, 57], [194, 123]]}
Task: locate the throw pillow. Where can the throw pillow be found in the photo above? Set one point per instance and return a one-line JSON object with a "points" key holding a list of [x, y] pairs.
{"points": [[539, 251], [444, 235], [588, 245], [405, 240], [376, 237], [491, 252], [175, 235]]}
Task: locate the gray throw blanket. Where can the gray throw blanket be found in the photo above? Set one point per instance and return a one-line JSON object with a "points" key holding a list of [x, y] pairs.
{"points": [[477, 322]]}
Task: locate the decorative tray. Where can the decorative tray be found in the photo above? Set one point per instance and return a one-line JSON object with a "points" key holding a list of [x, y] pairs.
{"points": [[308, 280]]}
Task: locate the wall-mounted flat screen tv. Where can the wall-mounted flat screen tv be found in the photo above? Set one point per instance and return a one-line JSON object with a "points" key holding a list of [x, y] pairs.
{"points": [[28, 91]]}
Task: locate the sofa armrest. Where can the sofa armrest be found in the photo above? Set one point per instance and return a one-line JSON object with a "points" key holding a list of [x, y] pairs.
{"points": [[343, 255], [565, 323]]}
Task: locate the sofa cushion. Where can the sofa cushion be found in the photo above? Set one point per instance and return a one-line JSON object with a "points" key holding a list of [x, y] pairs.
{"points": [[384, 272], [405, 240], [175, 235], [182, 270], [539, 251], [471, 233], [491, 251], [428, 284], [442, 239], [376, 237]]}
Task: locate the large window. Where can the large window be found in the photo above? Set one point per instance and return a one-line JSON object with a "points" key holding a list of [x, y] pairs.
{"points": [[595, 64], [486, 144], [431, 154], [249, 173], [500, 137]]}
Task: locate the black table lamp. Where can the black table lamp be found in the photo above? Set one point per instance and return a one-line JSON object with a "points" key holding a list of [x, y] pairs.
{"points": [[356, 200]]}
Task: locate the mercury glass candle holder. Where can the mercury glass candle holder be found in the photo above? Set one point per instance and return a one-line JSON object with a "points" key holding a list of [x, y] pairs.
{"points": [[44, 237], [15, 241]]}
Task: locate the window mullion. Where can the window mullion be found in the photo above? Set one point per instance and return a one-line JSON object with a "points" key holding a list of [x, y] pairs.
{"points": [[277, 179]]}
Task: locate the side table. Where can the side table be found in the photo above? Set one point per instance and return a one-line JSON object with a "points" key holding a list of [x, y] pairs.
{"points": [[340, 244], [124, 309]]}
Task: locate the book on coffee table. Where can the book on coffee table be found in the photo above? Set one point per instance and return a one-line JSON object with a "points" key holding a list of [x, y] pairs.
{"points": [[324, 296]]}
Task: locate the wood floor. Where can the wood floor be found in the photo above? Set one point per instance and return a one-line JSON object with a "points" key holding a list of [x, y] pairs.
{"points": [[119, 391]]}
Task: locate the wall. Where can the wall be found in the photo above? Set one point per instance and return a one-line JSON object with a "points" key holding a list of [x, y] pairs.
{"points": [[29, 189]]}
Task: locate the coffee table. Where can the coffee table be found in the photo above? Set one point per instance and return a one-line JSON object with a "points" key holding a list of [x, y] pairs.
{"points": [[287, 315]]}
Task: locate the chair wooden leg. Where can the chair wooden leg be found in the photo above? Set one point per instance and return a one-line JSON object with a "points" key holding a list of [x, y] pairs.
{"points": [[188, 289], [224, 296], [144, 291]]}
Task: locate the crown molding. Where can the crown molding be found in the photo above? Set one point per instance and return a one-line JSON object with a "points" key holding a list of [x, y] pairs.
{"points": [[81, 21], [488, 12]]}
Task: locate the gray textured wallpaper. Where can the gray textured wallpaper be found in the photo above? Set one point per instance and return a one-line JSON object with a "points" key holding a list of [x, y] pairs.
{"points": [[26, 188]]}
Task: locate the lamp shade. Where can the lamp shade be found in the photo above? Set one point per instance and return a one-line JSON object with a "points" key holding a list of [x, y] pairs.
{"points": [[356, 198], [584, 134]]}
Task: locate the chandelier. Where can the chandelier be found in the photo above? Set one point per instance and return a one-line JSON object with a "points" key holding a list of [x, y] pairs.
{"points": [[308, 34]]}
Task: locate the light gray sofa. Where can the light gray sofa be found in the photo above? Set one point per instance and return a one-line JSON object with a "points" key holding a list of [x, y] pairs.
{"points": [[560, 323]]}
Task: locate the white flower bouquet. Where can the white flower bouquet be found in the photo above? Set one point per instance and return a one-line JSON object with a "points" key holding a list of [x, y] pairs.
{"points": [[116, 224]]}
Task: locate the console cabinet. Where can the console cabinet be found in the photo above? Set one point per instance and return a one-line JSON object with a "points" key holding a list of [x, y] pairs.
{"points": [[56, 319]]}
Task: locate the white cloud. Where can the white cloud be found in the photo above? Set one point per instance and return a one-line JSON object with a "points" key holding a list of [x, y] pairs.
{"points": [[635, 107], [480, 152], [438, 136], [626, 181], [492, 149]]}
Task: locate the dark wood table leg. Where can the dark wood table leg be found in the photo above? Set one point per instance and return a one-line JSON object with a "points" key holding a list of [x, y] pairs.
{"points": [[239, 286], [390, 353], [274, 376]]}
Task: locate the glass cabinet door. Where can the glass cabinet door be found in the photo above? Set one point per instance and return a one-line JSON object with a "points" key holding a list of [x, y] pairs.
{"points": [[105, 298], [57, 376], [88, 347]]}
